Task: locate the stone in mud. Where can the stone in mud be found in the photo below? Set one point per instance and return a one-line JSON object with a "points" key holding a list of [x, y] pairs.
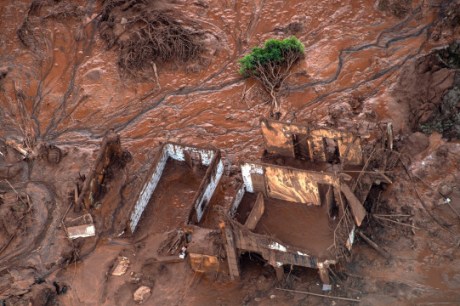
{"points": [[142, 294], [443, 201]]}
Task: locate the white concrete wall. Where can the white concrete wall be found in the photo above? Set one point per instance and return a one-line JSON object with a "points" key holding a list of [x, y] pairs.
{"points": [[209, 191], [237, 201], [176, 152], [148, 190], [246, 170]]}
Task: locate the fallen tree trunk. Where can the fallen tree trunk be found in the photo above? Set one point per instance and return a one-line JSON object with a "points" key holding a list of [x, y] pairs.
{"points": [[109, 151]]}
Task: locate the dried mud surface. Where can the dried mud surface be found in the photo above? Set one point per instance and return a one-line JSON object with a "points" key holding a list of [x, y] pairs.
{"points": [[60, 85]]}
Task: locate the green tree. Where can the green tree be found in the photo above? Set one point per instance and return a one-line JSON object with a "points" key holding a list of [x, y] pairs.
{"points": [[271, 64]]}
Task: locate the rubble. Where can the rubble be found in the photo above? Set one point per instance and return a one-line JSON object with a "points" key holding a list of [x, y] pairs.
{"points": [[121, 267], [110, 155], [319, 177], [142, 294], [80, 227]]}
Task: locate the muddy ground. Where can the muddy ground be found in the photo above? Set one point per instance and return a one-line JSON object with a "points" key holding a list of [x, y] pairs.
{"points": [[365, 62]]}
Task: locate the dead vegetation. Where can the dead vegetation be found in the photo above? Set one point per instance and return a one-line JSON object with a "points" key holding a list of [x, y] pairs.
{"points": [[398, 8], [450, 13], [31, 32], [149, 34], [14, 207]]}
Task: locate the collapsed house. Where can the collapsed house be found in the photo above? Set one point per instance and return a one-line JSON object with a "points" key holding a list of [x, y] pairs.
{"points": [[299, 206], [198, 170], [304, 212]]}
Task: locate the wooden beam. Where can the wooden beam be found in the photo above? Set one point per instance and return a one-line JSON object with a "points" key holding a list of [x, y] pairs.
{"points": [[357, 209], [256, 212]]}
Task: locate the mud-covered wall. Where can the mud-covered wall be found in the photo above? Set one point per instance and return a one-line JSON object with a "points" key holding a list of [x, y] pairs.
{"points": [[256, 213], [246, 171], [275, 252], [237, 200], [210, 182], [279, 139], [149, 188], [291, 185], [286, 183], [177, 152], [208, 157]]}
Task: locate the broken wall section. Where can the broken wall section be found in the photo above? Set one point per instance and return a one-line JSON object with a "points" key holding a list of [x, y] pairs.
{"points": [[110, 156], [314, 144], [284, 183]]}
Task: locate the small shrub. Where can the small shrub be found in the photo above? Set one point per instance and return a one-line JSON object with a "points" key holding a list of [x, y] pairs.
{"points": [[275, 51], [272, 63]]}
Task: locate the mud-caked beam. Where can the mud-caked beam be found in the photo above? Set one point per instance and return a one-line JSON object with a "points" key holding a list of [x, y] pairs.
{"points": [[230, 247]]}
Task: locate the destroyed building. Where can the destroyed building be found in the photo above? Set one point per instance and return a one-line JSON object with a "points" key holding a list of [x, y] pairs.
{"points": [[299, 206], [304, 213], [197, 169]]}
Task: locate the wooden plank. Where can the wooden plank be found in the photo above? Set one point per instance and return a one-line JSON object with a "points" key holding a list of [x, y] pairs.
{"points": [[290, 185], [256, 212], [329, 198], [357, 208], [230, 248]]}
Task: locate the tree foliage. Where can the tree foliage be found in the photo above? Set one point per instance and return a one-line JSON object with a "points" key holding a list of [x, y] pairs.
{"points": [[272, 63]]}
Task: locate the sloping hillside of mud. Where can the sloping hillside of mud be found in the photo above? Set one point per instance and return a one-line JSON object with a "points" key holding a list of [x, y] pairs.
{"points": [[63, 84]]}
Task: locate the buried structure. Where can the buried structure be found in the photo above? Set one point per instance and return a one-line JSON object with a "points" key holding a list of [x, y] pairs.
{"points": [[178, 188], [300, 206], [304, 212]]}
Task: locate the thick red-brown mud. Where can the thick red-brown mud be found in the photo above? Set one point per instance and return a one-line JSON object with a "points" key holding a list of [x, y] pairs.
{"points": [[171, 202], [60, 85], [304, 226]]}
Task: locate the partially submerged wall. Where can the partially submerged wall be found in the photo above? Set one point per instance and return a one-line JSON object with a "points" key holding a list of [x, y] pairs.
{"points": [[275, 252], [148, 189], [286, 183], [208, 186], [207, 157], [297, 185], [314, 144], [237, 200], [256, 212]]}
